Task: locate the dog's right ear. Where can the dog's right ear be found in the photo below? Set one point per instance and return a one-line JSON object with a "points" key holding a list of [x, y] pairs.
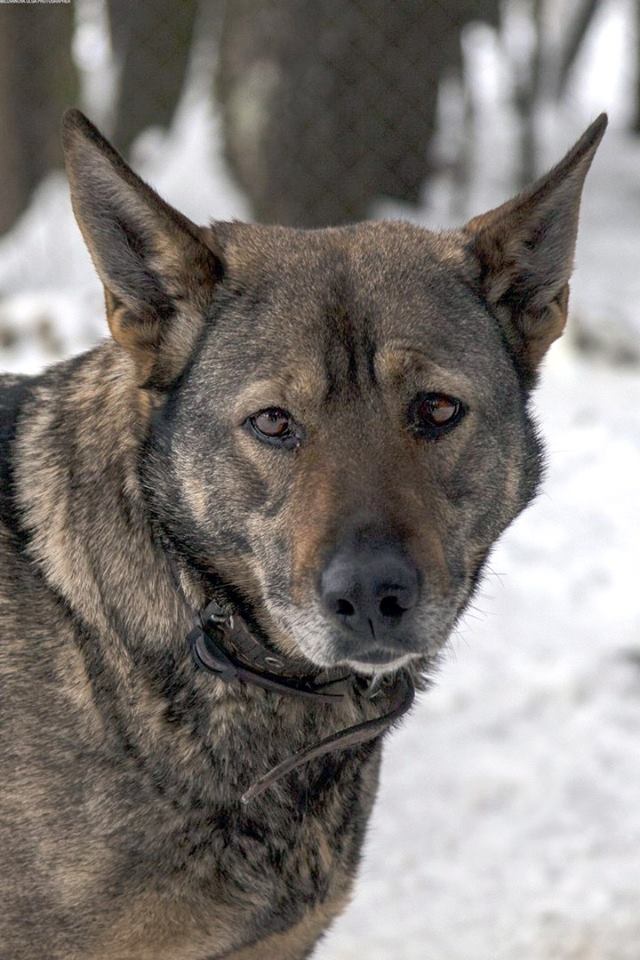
{"points": [[159, 270], [524, 252]]}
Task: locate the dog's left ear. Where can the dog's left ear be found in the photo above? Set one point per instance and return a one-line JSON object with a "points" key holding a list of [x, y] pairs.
{"points": [[525, 249], [159, 270]]}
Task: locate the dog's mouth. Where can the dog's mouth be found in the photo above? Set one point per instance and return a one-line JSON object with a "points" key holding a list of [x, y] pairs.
{"points": [[379, 655], [379, 660]]}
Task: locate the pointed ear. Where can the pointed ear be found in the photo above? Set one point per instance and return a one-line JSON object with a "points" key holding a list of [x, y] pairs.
{"points": [[525, 248], [158, 269]]}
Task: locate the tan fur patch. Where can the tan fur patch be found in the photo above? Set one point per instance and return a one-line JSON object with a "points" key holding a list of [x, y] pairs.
{"points": [[160, 928], [297, 943], [314, 510], [297, 392]]}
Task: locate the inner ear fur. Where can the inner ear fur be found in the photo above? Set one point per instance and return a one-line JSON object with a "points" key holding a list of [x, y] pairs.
{"points": [[524, 251], [159, 270]]}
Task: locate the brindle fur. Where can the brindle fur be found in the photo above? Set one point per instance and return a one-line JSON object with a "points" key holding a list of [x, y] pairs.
{"points": [[121, 830]]}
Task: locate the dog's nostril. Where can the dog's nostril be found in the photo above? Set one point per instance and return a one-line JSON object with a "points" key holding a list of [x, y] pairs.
{"points": [[390, 607], [344, 608], [369, 591]]}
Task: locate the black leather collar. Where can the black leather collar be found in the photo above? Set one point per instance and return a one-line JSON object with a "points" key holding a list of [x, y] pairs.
{"points": [[219, 631]]}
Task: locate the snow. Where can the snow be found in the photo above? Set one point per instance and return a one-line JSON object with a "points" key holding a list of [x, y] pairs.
{"points": [[508, 821]]}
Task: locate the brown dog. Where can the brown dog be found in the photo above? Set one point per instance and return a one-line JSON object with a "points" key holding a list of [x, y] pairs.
{"points": [[325, 432]]}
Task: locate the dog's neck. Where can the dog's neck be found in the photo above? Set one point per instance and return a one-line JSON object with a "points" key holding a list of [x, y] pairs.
{"points": [[102, 550], [78, 448]]}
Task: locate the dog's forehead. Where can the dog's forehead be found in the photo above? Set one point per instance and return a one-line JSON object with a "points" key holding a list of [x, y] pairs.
{"points": [[391, 277], [378, 257], [385, 294]]}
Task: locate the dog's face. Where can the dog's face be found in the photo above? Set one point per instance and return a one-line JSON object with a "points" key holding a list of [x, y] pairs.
{"points": [[348, 440], [342, 430]]}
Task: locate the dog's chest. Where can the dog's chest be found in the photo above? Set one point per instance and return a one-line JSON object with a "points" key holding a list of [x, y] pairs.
{"points": [[143, 848], [226, 876]]}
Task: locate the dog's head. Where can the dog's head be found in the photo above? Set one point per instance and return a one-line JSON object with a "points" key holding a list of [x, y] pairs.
{"points": [[341, 428]]}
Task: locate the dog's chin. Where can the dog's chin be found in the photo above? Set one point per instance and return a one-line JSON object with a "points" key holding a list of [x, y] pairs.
{"points": [[371, 662], [379, 663]]}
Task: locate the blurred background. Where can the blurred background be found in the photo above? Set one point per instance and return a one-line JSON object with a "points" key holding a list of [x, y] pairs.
{"points": [[508, 826]]}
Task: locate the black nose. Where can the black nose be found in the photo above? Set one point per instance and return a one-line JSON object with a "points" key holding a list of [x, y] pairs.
{"points": [[370, 589]]}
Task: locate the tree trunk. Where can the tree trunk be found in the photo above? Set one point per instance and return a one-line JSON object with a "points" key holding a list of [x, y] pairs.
{"points": [[152, 41], [37, 82], [328, 104]]}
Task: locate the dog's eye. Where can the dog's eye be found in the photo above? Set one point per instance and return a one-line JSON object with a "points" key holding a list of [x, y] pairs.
{"points": [[275, 426], [272, 422], [432, 414]]}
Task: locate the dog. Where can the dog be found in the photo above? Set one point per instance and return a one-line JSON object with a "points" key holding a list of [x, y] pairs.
{"points": [[246, 522]]}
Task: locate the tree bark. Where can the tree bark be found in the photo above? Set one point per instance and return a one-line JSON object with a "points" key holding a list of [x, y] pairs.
{"points": [[152, 42], [328, 104], [37, 82]]}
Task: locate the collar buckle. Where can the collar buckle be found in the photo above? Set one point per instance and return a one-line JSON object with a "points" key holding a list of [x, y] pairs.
{"points": [[215, 613], [209, 655]]}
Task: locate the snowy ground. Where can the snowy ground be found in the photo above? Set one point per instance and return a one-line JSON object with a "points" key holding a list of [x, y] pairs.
{"points": [[508, 825]]}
